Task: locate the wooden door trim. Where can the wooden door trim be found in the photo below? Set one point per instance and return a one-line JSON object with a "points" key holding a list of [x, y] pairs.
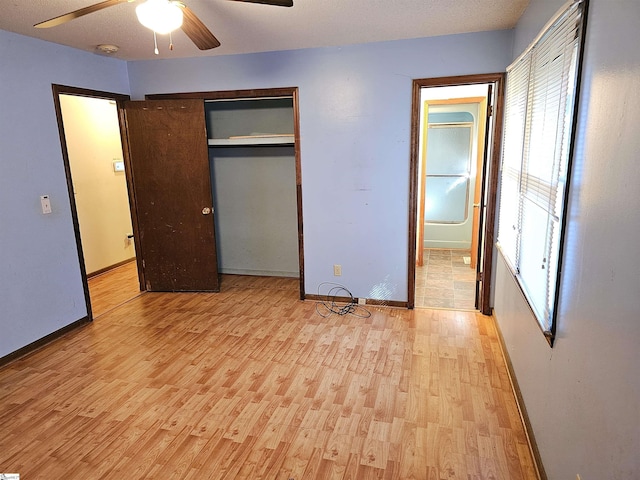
{"points": [[477, 192], [422, 173], [492, 185], [226, 94], [491, 182], [262, 93], [119, 99]]}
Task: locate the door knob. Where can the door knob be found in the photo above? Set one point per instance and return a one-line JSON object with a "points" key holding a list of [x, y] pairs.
{"points": [[206, 211]]}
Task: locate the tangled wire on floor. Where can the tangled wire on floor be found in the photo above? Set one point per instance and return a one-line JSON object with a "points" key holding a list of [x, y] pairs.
{"points": [[331, 305]]}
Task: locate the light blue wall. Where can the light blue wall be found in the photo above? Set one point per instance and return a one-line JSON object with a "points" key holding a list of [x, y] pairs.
{"points": [[583, 396], [355, 119], [40, 284]]}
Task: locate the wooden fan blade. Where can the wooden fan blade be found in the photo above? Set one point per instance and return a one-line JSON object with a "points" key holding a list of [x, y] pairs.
{"points": [[275, 3], [79, 13], [197, 31]]}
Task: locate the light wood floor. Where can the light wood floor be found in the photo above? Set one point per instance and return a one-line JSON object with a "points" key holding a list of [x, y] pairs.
{"points": [[113, 288], [252, 383]]}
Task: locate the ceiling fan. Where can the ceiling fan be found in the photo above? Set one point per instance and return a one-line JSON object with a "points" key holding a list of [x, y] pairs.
{"points": [[161, 16]]}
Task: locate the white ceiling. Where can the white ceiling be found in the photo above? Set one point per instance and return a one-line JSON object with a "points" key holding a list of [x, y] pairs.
{"points": [[246, 28]]}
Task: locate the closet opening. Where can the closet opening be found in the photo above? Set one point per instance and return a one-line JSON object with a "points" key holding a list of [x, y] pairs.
{"points": [[253, 179], [254, 163]]}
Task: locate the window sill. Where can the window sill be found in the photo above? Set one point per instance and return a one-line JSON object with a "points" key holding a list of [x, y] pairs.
{"points": [[549, 335]]}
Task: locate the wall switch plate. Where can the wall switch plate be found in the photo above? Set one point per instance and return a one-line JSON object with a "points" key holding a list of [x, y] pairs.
{"points": [[337, 270], [362, 301], [46, 204]]}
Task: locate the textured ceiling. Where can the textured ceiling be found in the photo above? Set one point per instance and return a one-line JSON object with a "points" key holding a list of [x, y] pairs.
{"points": [[247, 28]]}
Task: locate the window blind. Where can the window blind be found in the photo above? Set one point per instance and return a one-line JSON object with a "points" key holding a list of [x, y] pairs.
{"points": [[539, 110]]}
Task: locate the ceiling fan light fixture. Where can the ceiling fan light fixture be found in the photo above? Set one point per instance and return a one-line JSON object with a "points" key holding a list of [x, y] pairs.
{"points": [[161, 16]]}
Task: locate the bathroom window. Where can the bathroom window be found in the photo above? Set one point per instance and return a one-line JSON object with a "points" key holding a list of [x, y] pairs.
{"points": [[538, 127]]}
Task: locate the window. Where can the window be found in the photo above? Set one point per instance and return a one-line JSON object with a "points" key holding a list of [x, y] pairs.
{"points": [[539, 110]]}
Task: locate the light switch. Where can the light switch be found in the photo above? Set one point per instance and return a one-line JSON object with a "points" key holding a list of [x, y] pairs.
{"points": [[118, 166], [46, 204]]}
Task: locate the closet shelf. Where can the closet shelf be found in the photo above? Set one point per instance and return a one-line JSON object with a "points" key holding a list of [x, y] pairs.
{"points": [[276, 139]]}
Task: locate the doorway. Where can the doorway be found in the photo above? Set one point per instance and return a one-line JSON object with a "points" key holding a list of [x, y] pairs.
{"points": [[452, 208], [98, 191]]}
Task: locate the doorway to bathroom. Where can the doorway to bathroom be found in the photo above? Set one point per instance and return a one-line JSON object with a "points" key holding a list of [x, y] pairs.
{"points": [[453, 131]]}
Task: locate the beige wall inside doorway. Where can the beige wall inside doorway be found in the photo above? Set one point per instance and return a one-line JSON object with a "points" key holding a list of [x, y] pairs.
{"points": [[93, 140]]}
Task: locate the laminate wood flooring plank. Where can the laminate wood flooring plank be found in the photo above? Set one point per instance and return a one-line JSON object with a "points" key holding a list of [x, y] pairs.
{"points": [[252, 383], [113, 287]]}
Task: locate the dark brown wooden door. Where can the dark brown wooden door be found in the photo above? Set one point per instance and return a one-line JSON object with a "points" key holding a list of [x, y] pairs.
{"points": [[482, 288], [172, 187]]}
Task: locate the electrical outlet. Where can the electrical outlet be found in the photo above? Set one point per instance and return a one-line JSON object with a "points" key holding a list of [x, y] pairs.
{"points": [[337, 270], [362, 301]]}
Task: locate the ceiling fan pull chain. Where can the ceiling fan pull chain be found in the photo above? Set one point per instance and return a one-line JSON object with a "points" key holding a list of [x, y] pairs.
{"points": [[155, 42], [170, 41]]}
